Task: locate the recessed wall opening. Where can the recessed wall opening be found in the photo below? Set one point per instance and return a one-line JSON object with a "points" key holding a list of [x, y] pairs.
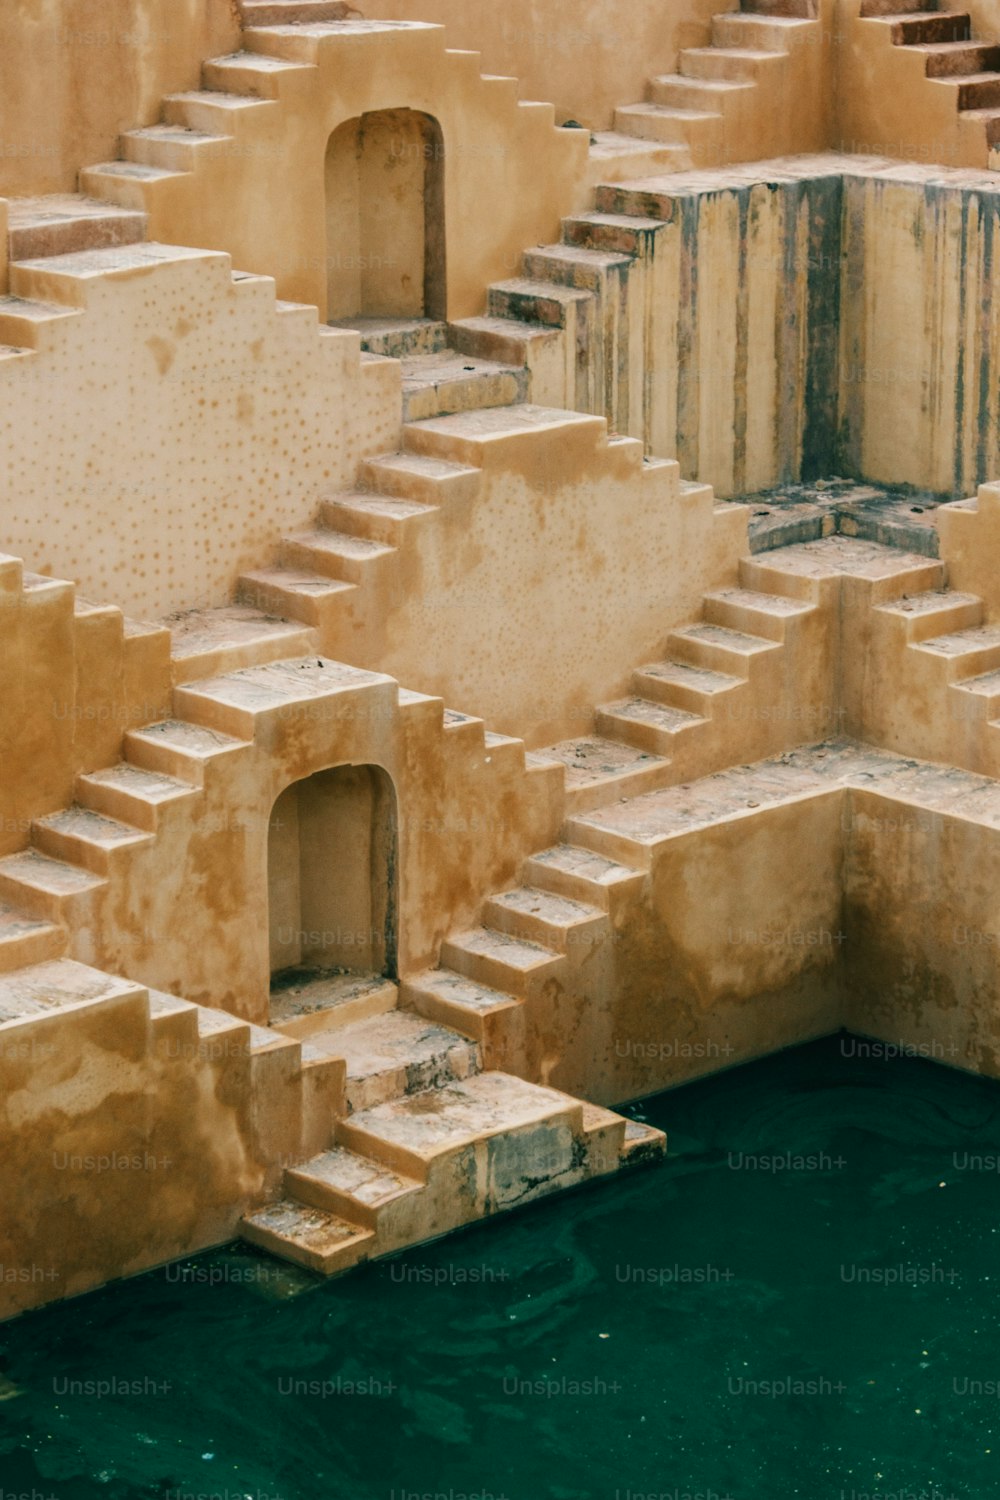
{"points": [[332, 877], [385, 218]]}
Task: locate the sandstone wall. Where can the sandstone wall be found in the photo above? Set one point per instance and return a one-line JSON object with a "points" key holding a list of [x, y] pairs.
{"points": [[75, 73]]}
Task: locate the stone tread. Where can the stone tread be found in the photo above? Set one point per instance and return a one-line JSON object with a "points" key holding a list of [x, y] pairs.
{"points": [[388, 506], [314, 992], [199, 631], [443, 1120], [593, 759], [369, 1182], [571, 859], [659, 716], [283, 682], [987, 685], [341, 544], [82, 823], [962, 642], [517, 954], [570, 255], [41, 872], [558, 911], [834, 555], [721, 635], [310, 1235], [16, 924], [773, 604], [297, 580], [397, 1039], [467, 994], [150, 786], [189, 739], [41, 988], [682, 674], [929, 601], [422, 466]]}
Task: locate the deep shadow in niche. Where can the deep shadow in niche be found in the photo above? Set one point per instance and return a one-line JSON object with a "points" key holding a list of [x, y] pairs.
{"points": [[332, 875], [385, 227]]}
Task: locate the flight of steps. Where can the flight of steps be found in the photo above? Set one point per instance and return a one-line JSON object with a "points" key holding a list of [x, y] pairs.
{"points": [[432, 1143], [426, 1141], [968, 67], [722, 94]]}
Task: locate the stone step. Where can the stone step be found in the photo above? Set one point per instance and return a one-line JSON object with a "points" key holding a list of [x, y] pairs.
{"points": [[310, 999], [60, 223], [52, 889], [235, 703], [28, 324], [397, 1053], [86, 838], [943, 59], [681, 91], [499, 961], [422, 479], [683, 685], [397, 338], [615, 155], [598, 770], [934, 612], [132, 795], [526, 300], [72, 279], [975, 91], [126, 182], [207, 642], [657, 122], [655, 727], [740, 63], [178, 748], [294, 12], [581, 875], [322, 1242], [59, 984], [625, 233], [508, 341], [986, 689], [934, 26], [216, 112], [335, 554], [341, 1182], [377, 518], [455, 1000], [250, 73], [26, 940], [439, 384], [539, 916], [989, 119], [475, 436], [965, 652], [754, 613], [297, 593], [413, 1134], [758, 32], [731, 652], [800, 569], [575, 266], [642, 1144], [177, 148]]}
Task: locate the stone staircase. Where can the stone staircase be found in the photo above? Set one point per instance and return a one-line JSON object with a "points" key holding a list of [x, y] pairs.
{"points": [[966, 67], [719, 105], [427, 1141], [732, 688]]}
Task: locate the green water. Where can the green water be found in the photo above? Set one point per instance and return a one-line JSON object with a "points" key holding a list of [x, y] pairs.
{"points": [[739, 1322]]}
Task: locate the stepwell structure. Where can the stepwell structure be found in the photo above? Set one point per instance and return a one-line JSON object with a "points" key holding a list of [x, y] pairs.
{"points": [[448, 689]]}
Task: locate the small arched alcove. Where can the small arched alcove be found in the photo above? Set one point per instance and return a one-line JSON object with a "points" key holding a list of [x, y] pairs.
{"points": [[385, 229], [332, 862]]}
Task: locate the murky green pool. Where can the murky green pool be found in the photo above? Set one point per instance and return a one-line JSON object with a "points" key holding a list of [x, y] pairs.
{"points": [[802, 1302]]}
